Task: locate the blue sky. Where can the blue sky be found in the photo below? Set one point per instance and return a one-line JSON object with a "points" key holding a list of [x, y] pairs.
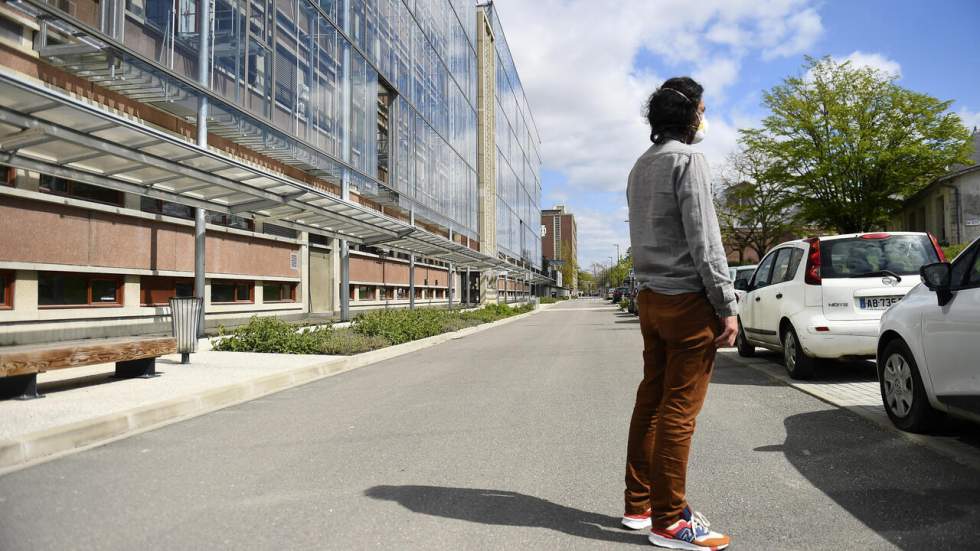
{"points": [[587, 65]]}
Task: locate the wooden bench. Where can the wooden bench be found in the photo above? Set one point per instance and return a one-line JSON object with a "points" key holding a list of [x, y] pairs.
{"points": [[134, 357]]}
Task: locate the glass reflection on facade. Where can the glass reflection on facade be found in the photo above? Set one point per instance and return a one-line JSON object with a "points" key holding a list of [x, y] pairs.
{"points": [[518, 160], [387, 87]]}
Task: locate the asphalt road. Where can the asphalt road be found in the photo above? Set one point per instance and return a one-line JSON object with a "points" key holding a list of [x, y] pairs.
{"points": [[513, 438]]}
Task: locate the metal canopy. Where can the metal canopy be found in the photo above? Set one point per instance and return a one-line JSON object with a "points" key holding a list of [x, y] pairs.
{"points": [[540, 278], [48, 130]]}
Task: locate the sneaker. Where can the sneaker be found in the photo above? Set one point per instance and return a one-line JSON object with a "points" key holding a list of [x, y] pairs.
{"points": [[640, 521], [690, 532]]}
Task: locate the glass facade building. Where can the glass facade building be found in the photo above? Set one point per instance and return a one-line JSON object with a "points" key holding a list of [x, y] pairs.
{"points": [[518, 159], [116, 123], [386, 87]]}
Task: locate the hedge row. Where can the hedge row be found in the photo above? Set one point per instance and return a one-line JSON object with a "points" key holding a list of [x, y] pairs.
{"points": [[398, 326], [368, 331]]}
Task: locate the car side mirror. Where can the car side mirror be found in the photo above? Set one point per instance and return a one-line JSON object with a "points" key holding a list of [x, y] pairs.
{"points": [[741, 285], [938, 277]]}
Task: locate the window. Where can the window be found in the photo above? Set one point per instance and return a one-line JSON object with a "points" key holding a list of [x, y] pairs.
{"points": [[966, 269], [385, 99], [157, 291], [975, 273], [9, 176], [761, 278], [743, 274], [786, 264], [273, 291], [78, 190], [6, 290], [281, 231], [231, 221], [136, 8], [317, 239], [223, 291], [166, 208], [56, 289], [856, 256]]}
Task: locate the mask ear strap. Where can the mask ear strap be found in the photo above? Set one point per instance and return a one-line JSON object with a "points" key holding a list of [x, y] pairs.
{"points": [[679, 93]]}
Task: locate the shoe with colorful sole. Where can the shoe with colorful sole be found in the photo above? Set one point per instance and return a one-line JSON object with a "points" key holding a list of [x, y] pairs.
{"points": [[692, 532]]}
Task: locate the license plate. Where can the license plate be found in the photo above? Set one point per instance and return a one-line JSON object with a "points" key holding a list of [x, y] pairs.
{"points": [[878, 303]]}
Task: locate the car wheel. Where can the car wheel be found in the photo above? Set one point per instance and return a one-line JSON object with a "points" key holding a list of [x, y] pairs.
{"points": [[902, 391], [745, 349], [798, 364]]}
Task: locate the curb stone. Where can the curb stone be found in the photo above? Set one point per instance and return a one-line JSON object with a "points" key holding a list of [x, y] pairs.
{"points": [[42, 446]]}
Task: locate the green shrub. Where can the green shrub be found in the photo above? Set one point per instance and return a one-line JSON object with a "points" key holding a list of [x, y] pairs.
{"points": [[273, 335], [346, 342], [548, 300], [399, 326], [624, 303], [369, 331], [952, 251], [267, 334], [494, 312]]}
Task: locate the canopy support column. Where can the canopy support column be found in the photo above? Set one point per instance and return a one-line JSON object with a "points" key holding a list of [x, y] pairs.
{"points": [[345, 259], [200, 215], [411, 266]]}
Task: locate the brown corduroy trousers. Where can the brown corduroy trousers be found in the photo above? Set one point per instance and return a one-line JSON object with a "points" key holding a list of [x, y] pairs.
{"points": [[678, 357]]}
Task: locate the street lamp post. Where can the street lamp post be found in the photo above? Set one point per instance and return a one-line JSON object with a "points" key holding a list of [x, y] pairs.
{"points": [[618, 257]]}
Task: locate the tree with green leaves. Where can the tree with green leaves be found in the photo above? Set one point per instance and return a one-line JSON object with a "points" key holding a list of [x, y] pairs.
{"points": [[620, 272], [569, 267], [849, 144], [586, 282], [754, 209]]}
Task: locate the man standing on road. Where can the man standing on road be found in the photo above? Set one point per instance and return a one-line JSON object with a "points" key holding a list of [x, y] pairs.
{"points": [[687, 311]]}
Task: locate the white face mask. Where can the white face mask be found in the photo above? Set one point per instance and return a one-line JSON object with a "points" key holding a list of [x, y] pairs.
{"points": [[702, 130]]}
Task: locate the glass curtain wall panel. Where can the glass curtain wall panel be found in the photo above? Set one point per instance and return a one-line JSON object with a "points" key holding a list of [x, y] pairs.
{"points": [[312, 70], [518, 166]]}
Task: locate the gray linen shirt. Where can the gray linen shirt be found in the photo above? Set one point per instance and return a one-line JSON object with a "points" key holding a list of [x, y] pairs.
{"points": [[676, 241]]}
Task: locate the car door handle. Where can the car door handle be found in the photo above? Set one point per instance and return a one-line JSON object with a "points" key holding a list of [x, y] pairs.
{"points": [[780, 295], [757, 299]]}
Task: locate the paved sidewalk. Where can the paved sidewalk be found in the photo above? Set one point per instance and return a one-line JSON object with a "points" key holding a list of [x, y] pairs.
{"points": [[74, 395], [85, 407], [854, 386]]}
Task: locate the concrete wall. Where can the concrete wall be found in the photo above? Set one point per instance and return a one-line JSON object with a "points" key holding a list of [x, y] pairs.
{"points": [[322, 281], [486, 149], [42, 232], [935, 211]]}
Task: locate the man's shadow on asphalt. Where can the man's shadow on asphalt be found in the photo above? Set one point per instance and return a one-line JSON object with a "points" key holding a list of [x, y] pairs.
{"points": [[503, 508]]}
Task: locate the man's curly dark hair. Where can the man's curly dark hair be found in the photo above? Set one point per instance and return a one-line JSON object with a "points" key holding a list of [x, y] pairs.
{"points": [[672, 108]]}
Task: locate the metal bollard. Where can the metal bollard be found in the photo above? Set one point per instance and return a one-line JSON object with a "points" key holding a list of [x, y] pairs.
{"points": [[185, 316]]}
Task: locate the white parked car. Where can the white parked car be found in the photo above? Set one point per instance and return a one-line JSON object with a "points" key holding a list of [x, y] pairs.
{"points": [[929, 349], [823, 297]]}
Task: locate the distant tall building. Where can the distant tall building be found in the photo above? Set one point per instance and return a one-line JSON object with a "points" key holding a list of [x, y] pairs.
{"points": [[559, 240]]}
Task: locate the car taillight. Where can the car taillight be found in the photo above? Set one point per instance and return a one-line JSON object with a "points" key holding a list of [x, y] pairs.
{"points": [[812, 276], [876, 236], [939, 250]]}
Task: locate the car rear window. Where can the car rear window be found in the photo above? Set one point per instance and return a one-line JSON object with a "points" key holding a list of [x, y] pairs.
{"points": [[856, 256]]}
